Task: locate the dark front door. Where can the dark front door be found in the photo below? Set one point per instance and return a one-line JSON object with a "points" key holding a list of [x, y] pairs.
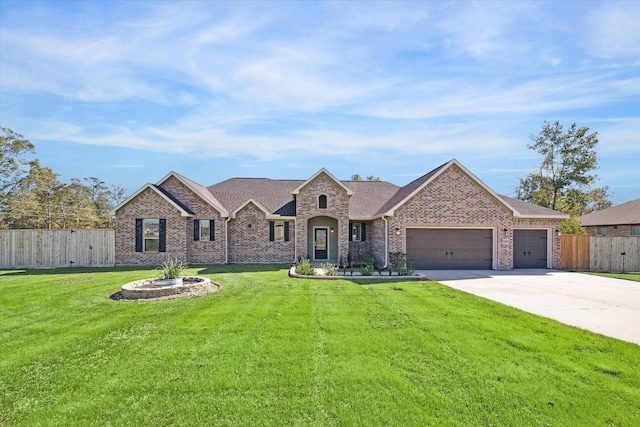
{"points": [[320, 236]]}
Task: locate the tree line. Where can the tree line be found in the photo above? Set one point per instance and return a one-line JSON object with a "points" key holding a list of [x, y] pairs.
{"points": [[33, 197]]}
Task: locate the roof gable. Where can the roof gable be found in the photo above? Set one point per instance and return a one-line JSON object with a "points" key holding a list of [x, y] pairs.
{"points": [[198, 190], [407, 192], [326, 172], [184, 211]]}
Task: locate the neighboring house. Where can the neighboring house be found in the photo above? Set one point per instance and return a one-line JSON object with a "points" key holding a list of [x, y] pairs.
{"points": [[445, 219], [619, 220]]}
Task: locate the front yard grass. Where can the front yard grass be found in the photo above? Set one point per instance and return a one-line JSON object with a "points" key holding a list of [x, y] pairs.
{"points": [[626, 276], [271, 350]]}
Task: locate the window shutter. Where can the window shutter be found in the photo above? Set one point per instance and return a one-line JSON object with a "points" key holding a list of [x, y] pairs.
{"points": [[272, 231], [350, 231], [139, 240], [212, 230], [363, 232], [196, 230], [286, 231], [162, 244]]}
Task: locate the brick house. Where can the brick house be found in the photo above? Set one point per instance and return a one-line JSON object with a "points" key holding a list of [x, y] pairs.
{"points": [[445, 219], [616, 221]]}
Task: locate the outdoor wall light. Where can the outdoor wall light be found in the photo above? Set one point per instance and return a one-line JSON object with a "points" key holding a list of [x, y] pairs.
{"points": [[332, 229], [558, 232], [397, 231], [506, 232]]}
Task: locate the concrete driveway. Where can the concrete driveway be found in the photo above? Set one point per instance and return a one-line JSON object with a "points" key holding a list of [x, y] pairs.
{"points": [[607, 306]]}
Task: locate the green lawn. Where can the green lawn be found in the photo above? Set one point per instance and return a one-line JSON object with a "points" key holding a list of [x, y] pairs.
{"points": [[271, 350], [627, 276]]}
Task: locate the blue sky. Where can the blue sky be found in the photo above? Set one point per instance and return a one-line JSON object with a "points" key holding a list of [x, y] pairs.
{"points": [[128, 91]]}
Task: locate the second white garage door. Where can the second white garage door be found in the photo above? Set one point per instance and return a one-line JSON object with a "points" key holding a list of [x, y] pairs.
{"points": [[450, 248]]}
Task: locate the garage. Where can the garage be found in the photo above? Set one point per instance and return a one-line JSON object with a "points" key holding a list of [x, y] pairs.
{"points": [[529, 248], [450, 248]]}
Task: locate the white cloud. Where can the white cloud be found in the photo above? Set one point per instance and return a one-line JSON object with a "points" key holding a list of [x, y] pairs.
{"points": [[614, 30]]}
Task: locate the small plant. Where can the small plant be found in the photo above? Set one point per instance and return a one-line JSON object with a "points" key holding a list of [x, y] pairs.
{"points": [[305, 268], [398, 262], [408, 270], [366, 269], [329, 269], [172, 268]]}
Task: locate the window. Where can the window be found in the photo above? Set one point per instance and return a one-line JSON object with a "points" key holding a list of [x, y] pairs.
{"points": [[151, 231], [204, 230], [279, 231], [357, 232], [603, 231], [151, 235], [635, 230], [356, 229], [322, 202]]}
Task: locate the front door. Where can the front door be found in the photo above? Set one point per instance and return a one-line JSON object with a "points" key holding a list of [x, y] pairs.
{"points": [[321, 243]]}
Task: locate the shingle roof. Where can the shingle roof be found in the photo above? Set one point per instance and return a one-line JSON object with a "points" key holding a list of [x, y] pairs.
{"points": [[201, 191], [274, 195], [626, 213], [368, 197], [407, 190], [528, 209]]}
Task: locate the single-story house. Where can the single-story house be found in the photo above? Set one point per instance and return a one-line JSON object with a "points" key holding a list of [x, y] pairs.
{"points": [[617, 221], [446, 219]]}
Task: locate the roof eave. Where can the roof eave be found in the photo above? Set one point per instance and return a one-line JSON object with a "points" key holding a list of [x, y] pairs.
{"points": [[315, 175], [217, 206], [152, 187]]}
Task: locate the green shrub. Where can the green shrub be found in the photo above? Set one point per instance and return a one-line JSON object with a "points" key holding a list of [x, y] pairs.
{"points": [[329, 269], [366, 269], [172, 268], [397, 262], [305, 268]]}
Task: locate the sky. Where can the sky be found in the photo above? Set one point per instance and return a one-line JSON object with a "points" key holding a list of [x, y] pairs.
{"points": [[129, 91]]}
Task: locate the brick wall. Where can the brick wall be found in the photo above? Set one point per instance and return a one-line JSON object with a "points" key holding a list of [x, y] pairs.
{"points": [[453, 200], [337, 208], [249, 239], [199, 252], [150, 205], [612, 230]]}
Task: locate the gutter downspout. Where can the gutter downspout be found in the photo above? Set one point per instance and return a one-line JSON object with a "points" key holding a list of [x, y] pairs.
{"points": [[226, 240], [386, 242], [295, 242]]}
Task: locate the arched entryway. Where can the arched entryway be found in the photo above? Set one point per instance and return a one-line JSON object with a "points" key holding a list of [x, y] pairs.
{"points": [[322, 239]]}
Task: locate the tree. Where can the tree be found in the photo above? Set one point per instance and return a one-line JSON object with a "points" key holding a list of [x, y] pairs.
{"points": [[12, 147], [31, 196], [357, 177], [565, 176]]}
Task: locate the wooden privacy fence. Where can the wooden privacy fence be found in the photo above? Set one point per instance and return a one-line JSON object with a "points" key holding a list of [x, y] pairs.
{"points": [[615, 253], [57, 248], [600, 253], [574, 252]]}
